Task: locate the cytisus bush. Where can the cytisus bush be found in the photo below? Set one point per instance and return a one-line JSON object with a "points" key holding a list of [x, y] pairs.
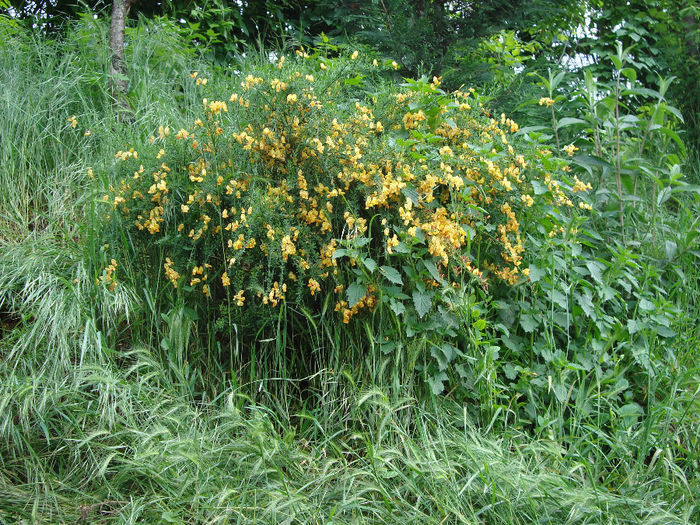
{"points": [[307, 181]]}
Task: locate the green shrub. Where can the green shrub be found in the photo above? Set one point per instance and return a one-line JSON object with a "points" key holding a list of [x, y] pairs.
{"points": [[313, 185]]}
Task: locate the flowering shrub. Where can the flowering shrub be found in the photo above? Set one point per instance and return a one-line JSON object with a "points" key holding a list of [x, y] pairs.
{"points": [[301, 184]]}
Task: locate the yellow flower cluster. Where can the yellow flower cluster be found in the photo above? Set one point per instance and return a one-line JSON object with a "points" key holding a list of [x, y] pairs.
{"points": [[276, 196], [108, 277]]}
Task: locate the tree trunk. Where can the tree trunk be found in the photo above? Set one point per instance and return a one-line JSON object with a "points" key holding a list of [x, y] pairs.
{"points": [[117, 70]]}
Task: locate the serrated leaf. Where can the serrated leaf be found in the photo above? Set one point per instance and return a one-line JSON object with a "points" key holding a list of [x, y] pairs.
{"points": [[510, 371], [397, 307], [422, 302], [437, 382], [355, 293], [432, 269], [633, 326], [536, 273], [410, 193], [369, 264], [585, 300], [595, 270], [646, 305], [528, 323], [391, 273], [559, 298], [402, 248]]}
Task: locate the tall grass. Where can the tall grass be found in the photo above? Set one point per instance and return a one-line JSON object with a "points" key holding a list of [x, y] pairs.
{"points": [[103, 414]]}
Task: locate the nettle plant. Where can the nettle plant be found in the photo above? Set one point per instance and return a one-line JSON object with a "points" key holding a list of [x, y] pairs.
{"points": [[596, 317], [308, 186]]}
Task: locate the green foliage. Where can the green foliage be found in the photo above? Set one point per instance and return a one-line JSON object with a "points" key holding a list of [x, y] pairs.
{"points": [[569, 395], [390, 205]]}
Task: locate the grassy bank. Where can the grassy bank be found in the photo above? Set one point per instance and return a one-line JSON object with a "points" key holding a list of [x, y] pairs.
{"points": [[145, 402]]}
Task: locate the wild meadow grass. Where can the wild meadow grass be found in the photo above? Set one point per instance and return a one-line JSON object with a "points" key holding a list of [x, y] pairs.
{"points": [[119, 406]]}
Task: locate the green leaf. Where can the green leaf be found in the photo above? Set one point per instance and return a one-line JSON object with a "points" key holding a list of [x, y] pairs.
{"points": [[437, 382], [402, 248], [585, 300], [630, 410], [397, 307], [596, 272], [422, 303], [633, 326], [411, 193], [629, 73], [528, 323], [432, 269], [536, 273], [646, 305], [570, 121], [670, 249], [443, 354], [370, 264], [339, 253], [392, 274], [559, 298], [355, 293]]}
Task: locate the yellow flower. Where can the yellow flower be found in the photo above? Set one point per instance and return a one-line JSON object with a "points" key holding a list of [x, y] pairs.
{"points": [[354, 55], [314, 286], [73, 121], [546, 101], [570, 149]]}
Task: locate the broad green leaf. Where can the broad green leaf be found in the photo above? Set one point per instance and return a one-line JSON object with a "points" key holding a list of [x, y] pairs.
{"points": [[559, 298], [369, 264], [646, 305], [355, 293], [432, 269], [630, 410], [528, 323], [411, 193], [633, 326], [422, 302], [596, 272], [397, 307], [629, 73], [392, 274], [536, 273], [437, 382], [510, 371], [570, 121], [670, 249], [585, 300]]}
